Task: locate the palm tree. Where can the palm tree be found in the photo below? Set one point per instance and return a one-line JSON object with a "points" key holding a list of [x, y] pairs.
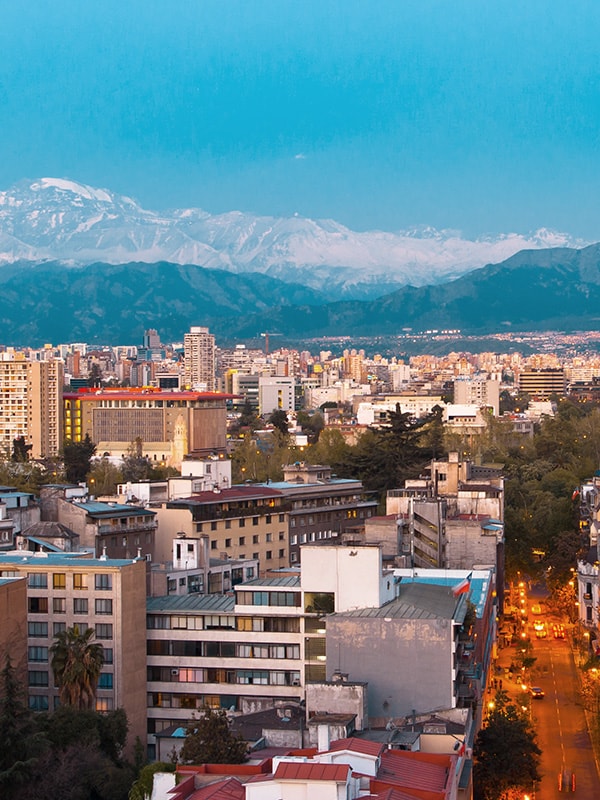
{"points": [[76, 663]]}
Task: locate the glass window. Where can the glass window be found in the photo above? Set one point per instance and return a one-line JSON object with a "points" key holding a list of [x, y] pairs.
{"points": [[103, 582], [37, 629], [242, 523], [105, 680], [37, 580], [58, 627], [59, 580], [255, 520], [38, 605], [104, 630], [80, 605], [38, 677], [80, 580], [282, 518], [37, 654], [38, 702], [213, 526], [108, 655], [104, 606], [104, 704]]}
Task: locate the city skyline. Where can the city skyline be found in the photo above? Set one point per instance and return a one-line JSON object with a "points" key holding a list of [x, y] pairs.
{"points": [[480, 119]]}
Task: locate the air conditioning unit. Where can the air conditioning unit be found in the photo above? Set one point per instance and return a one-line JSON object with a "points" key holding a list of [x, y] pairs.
{"points": [[148, 556], [295, 683], [174, 672]]}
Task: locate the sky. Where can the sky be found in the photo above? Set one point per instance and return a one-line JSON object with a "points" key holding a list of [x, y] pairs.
{"points": [[474, 115]]}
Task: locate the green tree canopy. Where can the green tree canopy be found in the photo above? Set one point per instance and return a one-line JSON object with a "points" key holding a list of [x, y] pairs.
{"points": [[506, 754], [78, 458], [209, 740]]}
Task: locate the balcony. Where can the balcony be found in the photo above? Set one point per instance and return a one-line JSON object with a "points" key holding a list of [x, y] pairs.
{"points": [[138, 527]]}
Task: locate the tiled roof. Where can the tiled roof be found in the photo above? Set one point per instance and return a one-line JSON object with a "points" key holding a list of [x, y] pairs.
{"points": [[245, 492], [423, 771], [304, 771], [227, 789], [358, 746]]}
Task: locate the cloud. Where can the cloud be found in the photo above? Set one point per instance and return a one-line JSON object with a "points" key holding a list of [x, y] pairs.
{"points": [[300, 157]]}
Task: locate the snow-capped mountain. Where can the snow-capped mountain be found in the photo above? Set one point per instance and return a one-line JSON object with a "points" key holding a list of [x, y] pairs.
{"points": [[59, 219]]}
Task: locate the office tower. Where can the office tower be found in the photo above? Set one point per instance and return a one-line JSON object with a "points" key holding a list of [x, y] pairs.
{"points": [[199, 359]]}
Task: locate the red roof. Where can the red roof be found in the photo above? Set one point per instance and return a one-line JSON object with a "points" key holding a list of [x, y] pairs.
{"points": [[227, 789], [426, 774], [303, 771], [363, 746]]}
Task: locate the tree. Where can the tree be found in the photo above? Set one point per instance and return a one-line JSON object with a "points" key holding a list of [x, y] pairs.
{"points": [[20, 743], [209, 740], [279, 420], [78, 458], [20, 449], [506, 755], [104, 477], [76, 662]]}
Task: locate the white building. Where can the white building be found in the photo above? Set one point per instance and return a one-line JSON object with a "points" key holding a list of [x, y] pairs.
{"points": [[199, 359]]}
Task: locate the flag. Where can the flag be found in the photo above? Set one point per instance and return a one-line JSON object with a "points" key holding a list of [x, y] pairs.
{"points": [[575, 495], [462, 587]]}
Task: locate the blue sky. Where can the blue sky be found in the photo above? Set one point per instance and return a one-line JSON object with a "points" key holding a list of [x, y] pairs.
{"points": [[481, 116]]}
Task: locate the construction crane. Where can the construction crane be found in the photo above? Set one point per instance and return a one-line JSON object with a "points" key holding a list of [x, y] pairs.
{"points": [[266, 335]]}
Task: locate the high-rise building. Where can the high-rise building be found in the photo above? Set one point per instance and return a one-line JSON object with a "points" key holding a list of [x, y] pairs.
{"points": [[199, 359], [31, 405]]}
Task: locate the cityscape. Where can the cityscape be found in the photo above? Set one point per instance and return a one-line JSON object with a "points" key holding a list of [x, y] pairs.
{"points": [[299, 400]]}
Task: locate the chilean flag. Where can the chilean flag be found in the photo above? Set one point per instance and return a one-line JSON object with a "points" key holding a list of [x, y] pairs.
{"points": [[462, 587]]}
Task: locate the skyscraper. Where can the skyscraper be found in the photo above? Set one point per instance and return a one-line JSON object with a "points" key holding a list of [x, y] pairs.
{"points": [[199, 359]]}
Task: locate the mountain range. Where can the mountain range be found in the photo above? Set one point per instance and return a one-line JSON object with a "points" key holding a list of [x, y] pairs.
{"points": [[54, 291], [53, 219]]}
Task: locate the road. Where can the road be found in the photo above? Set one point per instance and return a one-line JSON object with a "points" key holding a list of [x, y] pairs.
{"points": [[559, 718]]}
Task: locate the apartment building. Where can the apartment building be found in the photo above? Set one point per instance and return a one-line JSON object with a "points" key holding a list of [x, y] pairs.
{"points": [[13, 631], [242, 522], [199, 359], [108, 595], [167, 425], [31, 405]]}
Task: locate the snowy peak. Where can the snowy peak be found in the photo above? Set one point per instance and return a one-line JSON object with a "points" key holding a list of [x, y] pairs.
{"points": [[56, 218]]}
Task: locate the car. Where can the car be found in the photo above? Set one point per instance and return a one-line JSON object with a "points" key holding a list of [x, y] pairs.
{"points": [[559, 632], [536, 693], [536, 609], [538, 625], [541, 633]]}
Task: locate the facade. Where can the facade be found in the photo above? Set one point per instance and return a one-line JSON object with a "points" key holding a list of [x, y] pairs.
{"points": [[110, 529], [107, 595], [167, 424], [541, 383], [13, 631], [199, 359], [31, 405], [276, 394], [479, 392], [321, 508]]}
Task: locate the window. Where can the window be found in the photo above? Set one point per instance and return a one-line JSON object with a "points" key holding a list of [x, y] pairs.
{"points": [[103, 582], [38, 677], [242, 523], [294, 539], [37, 580], [269, 555], [104, 704], [282, 518], [255, 556], [269, 537], [37, 654], [38, 605], [59, 580], [249, 573], [255, 540], [104, 630], [293, 557], [268, 519], [80, 605], [38, 702], [108, 655], [104, 606], [255, 520], [58, 627], [213, 526], [227, 542], [79, 580], [213, 544], [282, 553], [281, 536], [37, 629], [105, 681], [242, 540], [228, 523]]}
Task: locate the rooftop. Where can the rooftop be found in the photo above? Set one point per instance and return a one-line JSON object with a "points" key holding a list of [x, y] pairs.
{"points": [[191, 603]]}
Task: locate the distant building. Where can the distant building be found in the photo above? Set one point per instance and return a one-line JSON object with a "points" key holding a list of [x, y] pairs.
{"points": [[479, 392], [541, 383], [199, 359]]}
